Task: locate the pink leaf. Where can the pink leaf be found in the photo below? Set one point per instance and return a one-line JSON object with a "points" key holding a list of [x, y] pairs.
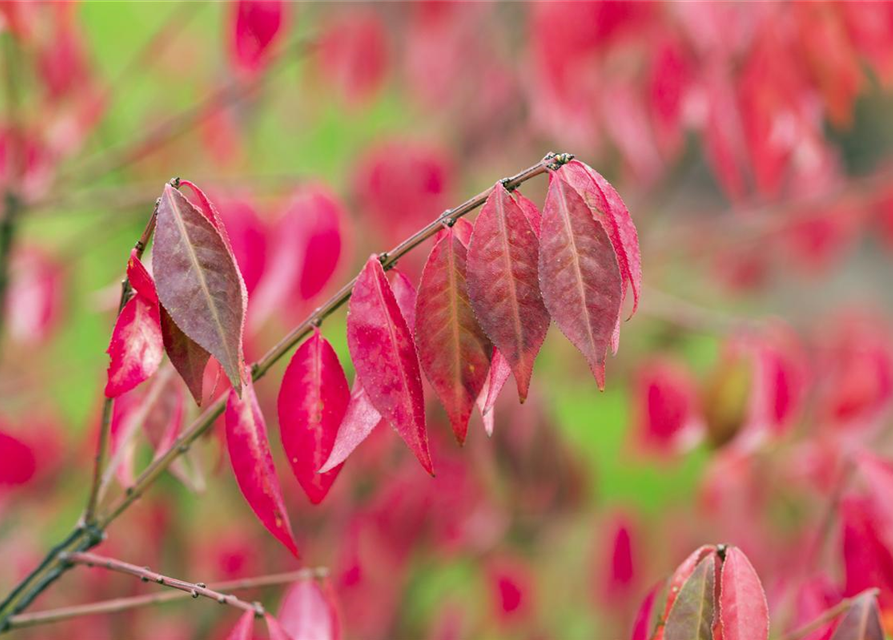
{"points": [[136, 347], [643, 624], [198, 281], [502, 284], [608, 208], [275, 630], [257, 23], [743, 611], [497, 376], [249, 453], [360, 418], [861, 622], [312, 401], [578, 274], [531, 212], [385, 358], [353, 54], [244, 628], [308, 612], [453, 350], [17, 461]]}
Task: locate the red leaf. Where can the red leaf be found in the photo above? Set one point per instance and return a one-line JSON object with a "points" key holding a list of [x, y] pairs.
{"points": [[308, 612], [312, 401], [385, 358], [249, 453], [360, 418], [691, 617], [743, 610], [198, 281], [244, 628], [643, 624], [497, 376], [274, 629], [353, 54], [453, 350], [140, 279], [608, 208], [257, 23], [17, 461], [136, 347], [861, 622], [405, 294], [531, 212], [579, 276], [502, 284], [666, 400], [187, 357], [248, 237]]}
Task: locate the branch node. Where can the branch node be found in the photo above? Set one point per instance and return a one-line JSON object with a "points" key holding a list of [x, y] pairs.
{"points": [[160, 579], [221, 600], [558, 160], [174, 182], [194, 593], [201, 585], [258, 609], [507, 184], [183, 448], [383, 257]]}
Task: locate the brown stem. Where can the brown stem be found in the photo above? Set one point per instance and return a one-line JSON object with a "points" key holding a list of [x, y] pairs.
{"points": [[826, 616], [85, 537], [118, 605], [194, 589], [102, 444]]}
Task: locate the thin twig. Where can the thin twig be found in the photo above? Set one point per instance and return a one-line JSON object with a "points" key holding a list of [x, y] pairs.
{"points": [[826, 616], [86, 537], [194, 589], [118, 605], [102, 445]]}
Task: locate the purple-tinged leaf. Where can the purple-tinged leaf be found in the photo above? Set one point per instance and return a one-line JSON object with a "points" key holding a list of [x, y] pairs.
{"points": [[136, 347], [497, 376], [608, 207], [198, 281], [244, 629], [862, 620], [502, 284], [691, 617], [453, 349], [249, 453], [308, 612], [360, 418], [385, 358], [312, 401], [743, 611], [683, 572], [187, 357], [578, 273]]}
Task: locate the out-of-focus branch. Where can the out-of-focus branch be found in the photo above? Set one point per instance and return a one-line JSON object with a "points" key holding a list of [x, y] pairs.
{"points": [[826, 617], [118, 605]]}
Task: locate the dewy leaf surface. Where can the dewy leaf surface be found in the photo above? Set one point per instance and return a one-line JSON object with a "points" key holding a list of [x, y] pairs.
{"points": [[308, 612], [862, 621], [609, 208], [743, 611], [312, 402], [360, 418], [249, 453], [502, 284], [453, 349], [385, 358], [691, 617], [578, 274], [136, 348], [198, 281]]}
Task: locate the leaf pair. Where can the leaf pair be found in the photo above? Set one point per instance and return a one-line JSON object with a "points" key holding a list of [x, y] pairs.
{"points": [[715, 593]]}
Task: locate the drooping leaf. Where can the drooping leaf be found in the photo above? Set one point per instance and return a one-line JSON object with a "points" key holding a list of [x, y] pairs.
{"points": [[497, 376], [256, 25], [643, 624], [453, 349], [608, 207], [691, 617], [385, 358], [312, 401], [360, 418], [186, 355], [405, 294], [244, 627], [743, 611], [249, 453], [578, 274], [862, 621], [136, 347], [308, 612], [275, 630], [502, 284], [140, 279], [531, 212], [198, 281]]}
